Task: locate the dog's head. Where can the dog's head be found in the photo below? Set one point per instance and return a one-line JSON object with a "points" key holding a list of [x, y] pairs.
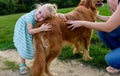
{"points": [[91, 3]]}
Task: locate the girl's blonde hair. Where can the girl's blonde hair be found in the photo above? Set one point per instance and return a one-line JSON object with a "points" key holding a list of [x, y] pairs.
{"points": [[52, 8]]}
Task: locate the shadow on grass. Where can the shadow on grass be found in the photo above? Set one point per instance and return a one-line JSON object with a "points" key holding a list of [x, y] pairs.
{"points": [[95, 52]]}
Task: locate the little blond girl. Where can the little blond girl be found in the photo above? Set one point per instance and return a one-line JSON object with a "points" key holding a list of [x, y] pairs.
{"points": [[24, 29]]}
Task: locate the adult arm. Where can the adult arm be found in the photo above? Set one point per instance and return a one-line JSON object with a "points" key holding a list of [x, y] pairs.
{"points": [[102, 18], [112, 23]]}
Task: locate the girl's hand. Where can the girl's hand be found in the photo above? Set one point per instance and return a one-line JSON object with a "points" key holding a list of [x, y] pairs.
{"points": [[45, 27], [73, 24]]}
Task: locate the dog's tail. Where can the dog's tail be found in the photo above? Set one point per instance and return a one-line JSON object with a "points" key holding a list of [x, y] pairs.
{"points": [[39, 63]]}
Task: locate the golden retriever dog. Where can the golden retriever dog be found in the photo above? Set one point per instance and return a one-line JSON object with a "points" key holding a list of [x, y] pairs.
{"points": [[48, 45]]}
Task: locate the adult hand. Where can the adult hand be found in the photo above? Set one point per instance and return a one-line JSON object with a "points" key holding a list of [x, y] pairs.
{"points": [[97, 15], [73, 24]]}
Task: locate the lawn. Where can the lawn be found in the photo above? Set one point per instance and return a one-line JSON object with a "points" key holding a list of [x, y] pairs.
{"points": [[97, 48]]}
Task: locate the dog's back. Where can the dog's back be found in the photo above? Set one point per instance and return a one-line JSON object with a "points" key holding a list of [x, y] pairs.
{"points": [[83, 13], [80, 13]]}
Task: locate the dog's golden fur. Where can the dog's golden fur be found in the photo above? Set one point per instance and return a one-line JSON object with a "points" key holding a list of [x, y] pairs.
{"points": [[48, 44]]}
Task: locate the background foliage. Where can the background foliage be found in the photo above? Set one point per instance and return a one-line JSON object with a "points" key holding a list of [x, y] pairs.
{"points": [[17, 6]]}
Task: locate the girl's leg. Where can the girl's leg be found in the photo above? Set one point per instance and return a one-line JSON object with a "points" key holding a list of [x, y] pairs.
{"points": [[112, 39], [113, 58], [23, 67], [22, 60]]}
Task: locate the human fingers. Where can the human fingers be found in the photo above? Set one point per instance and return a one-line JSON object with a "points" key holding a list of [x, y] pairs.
{"points": [[46, 24], [45, 27], [48, 27], [72, 27], [69, 22]]}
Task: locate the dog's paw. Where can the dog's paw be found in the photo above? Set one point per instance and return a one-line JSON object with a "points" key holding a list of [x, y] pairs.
{"points": [[88, 58]]}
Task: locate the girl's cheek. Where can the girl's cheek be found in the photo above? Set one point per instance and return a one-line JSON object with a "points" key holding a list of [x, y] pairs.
{"points": [[41, 19]]}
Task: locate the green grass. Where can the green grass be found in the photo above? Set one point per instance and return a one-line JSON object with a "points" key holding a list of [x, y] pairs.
{"points": [[65, 10], [6, 30], [10, 65], [97, 49]]}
